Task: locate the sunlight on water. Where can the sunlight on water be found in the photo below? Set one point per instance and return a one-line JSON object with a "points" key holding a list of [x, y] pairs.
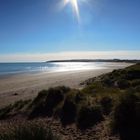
{"points": [[17, 68], [75, 66]]}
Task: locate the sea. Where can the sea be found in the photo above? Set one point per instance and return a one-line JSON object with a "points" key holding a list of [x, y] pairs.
{"points": [[18, 68]]}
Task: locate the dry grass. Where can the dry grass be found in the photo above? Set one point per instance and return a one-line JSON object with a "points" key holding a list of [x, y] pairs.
{"points": [[26, 130]]}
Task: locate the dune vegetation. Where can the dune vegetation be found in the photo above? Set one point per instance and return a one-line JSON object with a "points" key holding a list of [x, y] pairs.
{"points": [[109, 104]]}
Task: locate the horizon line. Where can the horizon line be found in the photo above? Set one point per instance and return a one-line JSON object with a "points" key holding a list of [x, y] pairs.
{"points": [[42, 57]]}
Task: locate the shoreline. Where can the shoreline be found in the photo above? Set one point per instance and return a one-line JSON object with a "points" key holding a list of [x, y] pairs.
{"points": [[27, 86]]}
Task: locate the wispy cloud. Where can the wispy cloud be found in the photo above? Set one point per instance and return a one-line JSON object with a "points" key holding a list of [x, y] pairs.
{"points": [[70, 55]]}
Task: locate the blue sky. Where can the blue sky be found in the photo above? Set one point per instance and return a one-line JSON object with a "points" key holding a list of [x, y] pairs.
{"points": [[40, 26]]}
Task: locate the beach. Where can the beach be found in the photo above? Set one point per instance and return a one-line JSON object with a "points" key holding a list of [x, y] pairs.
{"points": [[27, 86]]}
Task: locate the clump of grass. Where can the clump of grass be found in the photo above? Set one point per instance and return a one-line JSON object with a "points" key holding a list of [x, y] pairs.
{"points": [[27, 131], [71, 105], [41, 97], [88, 116], [47, 100], [4, 112], [79, 97], [137, 89], [126, 117], [12, 109], [123, 84], [106, 104], [20, 104], [69, 112], [135, 83]]}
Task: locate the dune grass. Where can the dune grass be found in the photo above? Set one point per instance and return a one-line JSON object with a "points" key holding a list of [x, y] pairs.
{"points": [[26, 130]]}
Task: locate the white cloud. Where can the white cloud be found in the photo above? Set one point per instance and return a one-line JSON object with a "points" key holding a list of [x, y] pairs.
{"points": [[69, 55]]}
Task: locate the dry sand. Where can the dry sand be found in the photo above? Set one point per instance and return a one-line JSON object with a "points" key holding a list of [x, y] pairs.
{"points": [[26, 86]]}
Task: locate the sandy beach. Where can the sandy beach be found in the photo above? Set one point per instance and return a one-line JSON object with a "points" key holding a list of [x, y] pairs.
{"points": [[27, 86]]}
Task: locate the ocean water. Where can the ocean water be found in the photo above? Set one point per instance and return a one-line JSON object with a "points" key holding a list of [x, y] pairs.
{"points": [[17, 68]]}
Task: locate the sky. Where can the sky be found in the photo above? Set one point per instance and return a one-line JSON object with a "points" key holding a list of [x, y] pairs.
{"points": [[37, 28]]}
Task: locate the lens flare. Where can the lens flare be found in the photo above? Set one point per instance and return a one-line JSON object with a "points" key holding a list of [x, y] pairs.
{"points": [[74, 4]]}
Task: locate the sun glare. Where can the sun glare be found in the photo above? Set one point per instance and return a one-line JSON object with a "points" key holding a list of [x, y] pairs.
{"points": [[75, 7]]}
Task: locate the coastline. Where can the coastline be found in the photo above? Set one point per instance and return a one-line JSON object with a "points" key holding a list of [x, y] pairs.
{"points": [[27, 86]]}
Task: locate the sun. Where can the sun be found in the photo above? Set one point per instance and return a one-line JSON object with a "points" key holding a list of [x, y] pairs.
{"points": [[75, 7]]}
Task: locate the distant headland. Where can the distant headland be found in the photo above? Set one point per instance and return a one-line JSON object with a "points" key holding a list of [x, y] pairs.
{"points": [[96, 60]]}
